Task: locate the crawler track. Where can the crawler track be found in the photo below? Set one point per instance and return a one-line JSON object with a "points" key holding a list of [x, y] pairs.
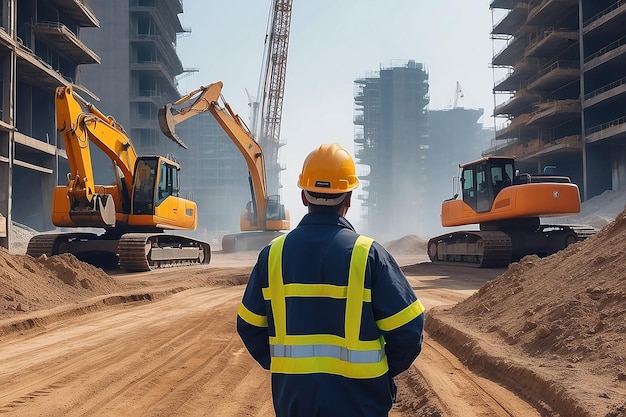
{"points": [[132, 251], [497, 249]]}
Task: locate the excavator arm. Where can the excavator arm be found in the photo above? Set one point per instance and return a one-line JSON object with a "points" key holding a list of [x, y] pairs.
{"points": [[80, 123], [207, 98], [78, 129]]}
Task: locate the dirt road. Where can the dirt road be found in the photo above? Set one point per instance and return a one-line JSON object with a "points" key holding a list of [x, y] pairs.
{"points": [[171, 349]]}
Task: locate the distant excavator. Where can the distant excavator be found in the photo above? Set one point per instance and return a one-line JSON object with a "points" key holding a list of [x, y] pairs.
{"points": [[507, 206], [264, 216]]}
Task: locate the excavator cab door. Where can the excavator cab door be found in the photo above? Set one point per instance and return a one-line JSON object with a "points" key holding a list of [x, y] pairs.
{"points": [[144, 187], [475, 183], [481, 182]]}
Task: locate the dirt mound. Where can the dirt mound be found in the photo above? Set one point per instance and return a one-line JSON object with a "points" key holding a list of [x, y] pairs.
{"points": [[28, 284], [407, 245], [568, 310]]}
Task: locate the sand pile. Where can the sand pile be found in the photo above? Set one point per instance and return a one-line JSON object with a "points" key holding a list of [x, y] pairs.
{"points": [[572, 303], [407, 245], [28, 284], [567, 312]]}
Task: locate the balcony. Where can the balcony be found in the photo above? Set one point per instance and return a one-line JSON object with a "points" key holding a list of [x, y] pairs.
{"points": [[519, 102], [614, 54], [64, 42], [553, 113], [78, 11], [512, 21], [609, 92], [538, 147], [167, 49], [35, 71], [517, 128], [551, 42], [160, 69], [503, 4], [611, 19], [149, 96], [153, 11], [511, 53], [523, 69], [549, 12], [555, 75], [612, 130]]}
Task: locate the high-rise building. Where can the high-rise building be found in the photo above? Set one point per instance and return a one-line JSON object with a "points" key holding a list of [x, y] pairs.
{"points": [[40, 50], [137, 43], [564, 88], [391, 139]]}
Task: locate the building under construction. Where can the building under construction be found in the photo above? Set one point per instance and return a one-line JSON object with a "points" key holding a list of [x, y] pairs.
{"points": [[411, 153], [137, 44], [564, 88], [40, 50], [391, 138]]}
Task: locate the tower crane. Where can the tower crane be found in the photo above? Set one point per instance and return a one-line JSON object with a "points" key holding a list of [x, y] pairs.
{"points": [[268, 112], [458, 93]]}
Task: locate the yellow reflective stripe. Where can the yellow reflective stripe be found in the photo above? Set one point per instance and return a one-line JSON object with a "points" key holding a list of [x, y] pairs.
{"points": [[326, 339], [251, 318], [276, 288], [402, 317], [356, 284], [329, 366], [318, 290]]}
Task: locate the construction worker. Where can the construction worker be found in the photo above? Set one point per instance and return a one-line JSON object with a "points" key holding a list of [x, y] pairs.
{"points": [[328, 311]]}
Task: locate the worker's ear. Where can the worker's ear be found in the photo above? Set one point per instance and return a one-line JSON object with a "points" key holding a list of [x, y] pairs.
{"points": [[345, 204], [304, 200], [348, 199]]}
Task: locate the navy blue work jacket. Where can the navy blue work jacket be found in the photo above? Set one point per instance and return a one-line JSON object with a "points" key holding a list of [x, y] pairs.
{"points": [[318, 250]]}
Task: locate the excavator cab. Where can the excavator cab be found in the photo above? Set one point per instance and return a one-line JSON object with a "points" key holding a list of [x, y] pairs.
{"points": [[482, 180], [156, 180]]}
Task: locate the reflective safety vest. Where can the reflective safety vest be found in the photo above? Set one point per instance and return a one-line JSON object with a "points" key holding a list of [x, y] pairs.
{"points": [[324, 353]]}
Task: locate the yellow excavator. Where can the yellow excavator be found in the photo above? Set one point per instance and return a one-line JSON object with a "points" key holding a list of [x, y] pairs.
{"points": [[507, 205], [264, 216], [135, 211]]}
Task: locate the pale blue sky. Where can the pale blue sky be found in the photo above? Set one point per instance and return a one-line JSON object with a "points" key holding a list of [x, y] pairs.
{"points": [[332, 43]]}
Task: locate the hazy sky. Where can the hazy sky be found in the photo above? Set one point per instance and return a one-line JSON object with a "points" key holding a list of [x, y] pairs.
{"points": [[332, 43]]}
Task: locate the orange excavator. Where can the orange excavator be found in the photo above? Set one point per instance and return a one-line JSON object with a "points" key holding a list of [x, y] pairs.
{"points": [[507, 205], [135, 210], [264, 216]]}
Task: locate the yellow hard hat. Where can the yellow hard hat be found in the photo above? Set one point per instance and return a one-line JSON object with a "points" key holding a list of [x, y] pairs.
{"points": [[329, 170]]}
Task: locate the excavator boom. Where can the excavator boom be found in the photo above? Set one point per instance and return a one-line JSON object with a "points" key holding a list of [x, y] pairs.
{"points": [[265, 212]]}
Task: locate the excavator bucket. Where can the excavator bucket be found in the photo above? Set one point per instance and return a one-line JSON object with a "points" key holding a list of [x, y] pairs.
{"points": [[167, 123]]}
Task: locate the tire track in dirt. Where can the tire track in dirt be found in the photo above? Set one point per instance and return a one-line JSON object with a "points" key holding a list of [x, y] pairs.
{"points": [[160, 360], [462, 393]]}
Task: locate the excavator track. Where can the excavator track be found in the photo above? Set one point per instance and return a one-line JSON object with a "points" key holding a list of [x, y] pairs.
{"points": [[471, 248], [133, 251], [248, 241], [497, 249], [146, 251]]}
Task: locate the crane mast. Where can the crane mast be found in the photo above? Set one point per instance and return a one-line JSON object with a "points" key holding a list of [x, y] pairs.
{"points": [[271, 89]]}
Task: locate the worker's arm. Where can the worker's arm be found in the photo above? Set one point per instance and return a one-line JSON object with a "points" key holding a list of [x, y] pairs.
{"points": [[252, 323], [399, 313]]}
